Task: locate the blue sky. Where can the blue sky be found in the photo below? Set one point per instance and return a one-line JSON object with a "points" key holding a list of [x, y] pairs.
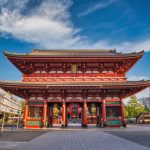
{"points": [[47, 24]]}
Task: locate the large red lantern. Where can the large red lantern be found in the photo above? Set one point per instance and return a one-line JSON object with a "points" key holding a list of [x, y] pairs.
{"points": [[74, 109]]}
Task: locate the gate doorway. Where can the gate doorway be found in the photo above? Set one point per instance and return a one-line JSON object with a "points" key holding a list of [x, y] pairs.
{"points": [[54, 115], [74, 114], [93, 113]]}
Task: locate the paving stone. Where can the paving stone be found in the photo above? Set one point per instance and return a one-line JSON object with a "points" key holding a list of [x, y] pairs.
{"points": [[80, 140], [140, 137], [9, 145]]}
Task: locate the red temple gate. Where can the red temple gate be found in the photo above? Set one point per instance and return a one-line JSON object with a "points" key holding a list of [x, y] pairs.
{"points": [[86, 86]]}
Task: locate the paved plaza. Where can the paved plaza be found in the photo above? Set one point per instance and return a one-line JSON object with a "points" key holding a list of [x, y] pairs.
{"points": [[130, 138]]}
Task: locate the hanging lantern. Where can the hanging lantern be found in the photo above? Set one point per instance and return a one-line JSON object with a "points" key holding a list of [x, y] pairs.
{"points": [[74, 109]]}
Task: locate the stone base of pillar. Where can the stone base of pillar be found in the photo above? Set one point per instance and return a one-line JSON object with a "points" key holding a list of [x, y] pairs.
{"points": [[124, 125], [66, 121], [99, 126], [63, 126], [50, 125], [105, 125], [44, 127], [84, 126], [24, 125]]}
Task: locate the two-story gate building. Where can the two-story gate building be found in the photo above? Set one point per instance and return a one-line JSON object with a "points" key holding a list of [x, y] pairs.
{"points": [[67, 86]]}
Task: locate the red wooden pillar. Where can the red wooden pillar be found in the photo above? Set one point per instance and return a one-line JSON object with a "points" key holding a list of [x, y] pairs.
{"points": [[64, 123], [104, 113], [84, 114], [44, 114], [123, 114], [26, 114]]}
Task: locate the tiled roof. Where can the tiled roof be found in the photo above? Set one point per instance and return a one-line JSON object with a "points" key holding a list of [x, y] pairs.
{"points": [[100, 84], [74, 53]]}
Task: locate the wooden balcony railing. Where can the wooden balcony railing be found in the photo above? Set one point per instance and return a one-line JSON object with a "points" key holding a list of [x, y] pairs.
{"points": [[73, 77]]}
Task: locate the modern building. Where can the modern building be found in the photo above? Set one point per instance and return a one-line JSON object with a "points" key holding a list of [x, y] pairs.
{"points": [[143, 118], [9, 104], [67, 86]]}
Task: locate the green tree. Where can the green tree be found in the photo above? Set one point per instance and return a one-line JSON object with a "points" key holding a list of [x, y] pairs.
{"points": [[23, 104], [134, 107], [126, 113], [147, 109]]}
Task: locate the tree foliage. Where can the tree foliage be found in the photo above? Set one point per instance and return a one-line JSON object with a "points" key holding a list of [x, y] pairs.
{"points": [[147, 109], [134, 107], [23, 103]]}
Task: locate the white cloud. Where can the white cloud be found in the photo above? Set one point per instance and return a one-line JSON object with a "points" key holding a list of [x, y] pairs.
{"points": [[123, 46], [93, 8], [49, 26]]}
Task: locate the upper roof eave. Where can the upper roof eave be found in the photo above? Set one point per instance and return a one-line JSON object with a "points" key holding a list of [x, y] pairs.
{"points": [[73, 53]]}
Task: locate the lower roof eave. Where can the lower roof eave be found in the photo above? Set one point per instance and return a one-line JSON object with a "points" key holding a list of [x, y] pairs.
{"points": [[74, 84], [126, 88]]}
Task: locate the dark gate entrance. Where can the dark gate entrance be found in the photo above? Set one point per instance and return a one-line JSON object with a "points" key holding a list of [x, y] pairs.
{"points": [[93, 113], [74, 114], [54, 115]]}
